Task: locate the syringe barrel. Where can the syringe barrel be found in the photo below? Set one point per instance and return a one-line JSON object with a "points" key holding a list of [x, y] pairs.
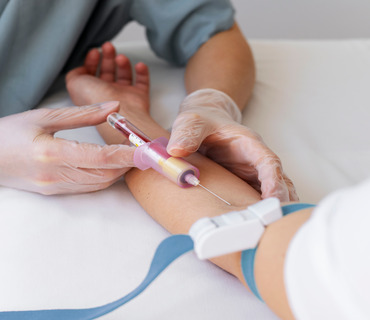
{"points": [[132, 133], [154, 155]]}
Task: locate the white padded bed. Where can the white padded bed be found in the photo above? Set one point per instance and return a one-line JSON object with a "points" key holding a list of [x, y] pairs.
{"points": [[311, 106]]}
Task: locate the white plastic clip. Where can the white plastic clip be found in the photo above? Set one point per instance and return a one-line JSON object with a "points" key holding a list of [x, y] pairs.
{"points": [[234, 231]]}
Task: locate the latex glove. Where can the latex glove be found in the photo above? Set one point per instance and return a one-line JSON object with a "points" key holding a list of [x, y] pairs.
{"points": [[32, 159], [208, 121]]}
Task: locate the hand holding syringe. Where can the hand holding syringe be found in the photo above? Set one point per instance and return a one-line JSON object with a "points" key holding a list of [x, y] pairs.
{"points": [[153, 154]]}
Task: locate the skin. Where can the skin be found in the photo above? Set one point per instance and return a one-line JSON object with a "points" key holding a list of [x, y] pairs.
{"points": [[237, 75], [185, 206], [224, 63]]}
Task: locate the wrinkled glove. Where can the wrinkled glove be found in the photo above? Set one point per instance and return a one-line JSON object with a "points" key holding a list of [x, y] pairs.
{"points": [[32, 159], [209, 121]]}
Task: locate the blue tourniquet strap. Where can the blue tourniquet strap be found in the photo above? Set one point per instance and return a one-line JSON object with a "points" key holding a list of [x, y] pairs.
{"points": [[247, 259], [168, 251]]}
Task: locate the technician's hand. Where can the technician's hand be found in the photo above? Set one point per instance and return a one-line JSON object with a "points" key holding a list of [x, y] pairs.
{"points": [[32, 159], [208, 121]]}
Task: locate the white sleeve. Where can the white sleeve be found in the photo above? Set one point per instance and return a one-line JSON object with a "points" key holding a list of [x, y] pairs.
{"points": [[328, 261]]}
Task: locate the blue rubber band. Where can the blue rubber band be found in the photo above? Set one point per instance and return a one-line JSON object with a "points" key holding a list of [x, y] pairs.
{"points": [[168, 251], [247, 258]]}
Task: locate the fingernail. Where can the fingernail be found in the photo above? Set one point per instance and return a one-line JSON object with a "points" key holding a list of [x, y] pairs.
{"points": [[175, 151], [106, 104], [172, 149]]}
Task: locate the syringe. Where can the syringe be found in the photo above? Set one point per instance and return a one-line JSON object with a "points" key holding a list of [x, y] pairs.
{"points": [[153, 154]]}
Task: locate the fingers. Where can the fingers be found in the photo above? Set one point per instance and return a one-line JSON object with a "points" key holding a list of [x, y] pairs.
{"points": [[124, 71], [72, 188], [188, 132], [92, 61], [53, 120], [69, 167], [76, 180], [275, 183], [73, 180], [93, 156], [108, 63], [291, 189], [245, 154], [113, 68], [273, 180], [142, 76]]}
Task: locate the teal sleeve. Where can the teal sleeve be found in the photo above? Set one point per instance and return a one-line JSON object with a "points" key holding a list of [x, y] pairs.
{"points": [[36, 38], [176, 29], [40, 38]]}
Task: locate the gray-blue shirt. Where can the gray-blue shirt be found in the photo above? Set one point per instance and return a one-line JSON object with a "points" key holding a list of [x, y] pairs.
{"points": [[41, 38]]}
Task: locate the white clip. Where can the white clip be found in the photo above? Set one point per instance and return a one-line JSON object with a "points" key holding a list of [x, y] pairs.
{"points": [[234, 231]]}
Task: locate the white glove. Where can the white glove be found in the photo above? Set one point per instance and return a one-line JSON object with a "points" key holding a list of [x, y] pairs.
{"points": [[32, 159], [208, 121]]}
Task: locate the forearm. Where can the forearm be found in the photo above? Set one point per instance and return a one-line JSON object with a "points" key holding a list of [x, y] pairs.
{"points": [[176, 209], [225, 63]]}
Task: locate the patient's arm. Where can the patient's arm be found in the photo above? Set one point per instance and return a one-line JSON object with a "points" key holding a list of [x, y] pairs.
{"points": [[177, 209]]}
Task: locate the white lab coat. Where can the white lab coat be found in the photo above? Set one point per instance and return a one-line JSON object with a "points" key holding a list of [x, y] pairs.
{"points": [[327, 270]]}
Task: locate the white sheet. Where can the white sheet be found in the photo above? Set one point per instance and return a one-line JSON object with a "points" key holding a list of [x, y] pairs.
{"points": [[310, 104]]}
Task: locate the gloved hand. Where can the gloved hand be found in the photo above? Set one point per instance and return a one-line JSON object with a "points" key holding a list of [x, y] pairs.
{"points": [[209, 121], [32, 159]]}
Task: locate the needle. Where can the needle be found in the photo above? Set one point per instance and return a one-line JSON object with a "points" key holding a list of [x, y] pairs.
{"points": [[214, 194], [194, 181]]}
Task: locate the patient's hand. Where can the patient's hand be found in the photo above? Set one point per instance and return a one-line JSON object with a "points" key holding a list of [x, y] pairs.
{"points": [[114, 81]]}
